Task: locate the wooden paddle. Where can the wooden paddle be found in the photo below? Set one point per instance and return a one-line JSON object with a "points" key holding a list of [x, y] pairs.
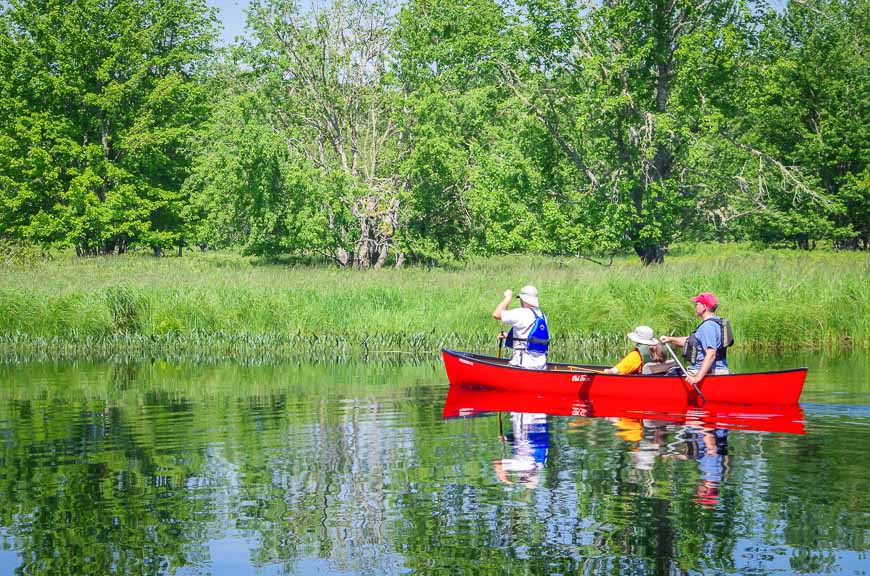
{"points": [[581, 369], [683, 368], [500, 339]]}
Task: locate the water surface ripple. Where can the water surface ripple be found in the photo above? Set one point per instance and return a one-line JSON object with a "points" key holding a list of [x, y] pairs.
{"points": [[351, 469]]}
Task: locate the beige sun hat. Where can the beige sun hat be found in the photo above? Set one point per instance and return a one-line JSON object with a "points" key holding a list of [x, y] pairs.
{"points": [[643, 335], [529, 295]]}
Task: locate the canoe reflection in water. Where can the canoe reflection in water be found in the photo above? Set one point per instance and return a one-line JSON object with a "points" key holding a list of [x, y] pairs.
{"points": [[469, 401], [701, 431], [529, 439]]}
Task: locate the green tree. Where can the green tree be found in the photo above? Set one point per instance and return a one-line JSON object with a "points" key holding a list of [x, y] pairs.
{"points": [[97, 110], [474, 165], [323, 77], [805, 103], [602, 80], [237, 186]]}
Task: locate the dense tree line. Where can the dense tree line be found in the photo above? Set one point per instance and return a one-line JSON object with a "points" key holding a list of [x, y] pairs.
{"points": [[369, 133]]}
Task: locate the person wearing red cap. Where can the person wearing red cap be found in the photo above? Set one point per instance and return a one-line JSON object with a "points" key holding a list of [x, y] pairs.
{"points": [[705, 348]]}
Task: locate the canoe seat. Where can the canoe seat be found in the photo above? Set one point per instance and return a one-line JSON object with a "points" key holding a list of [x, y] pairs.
{"points": [[657, 367]]}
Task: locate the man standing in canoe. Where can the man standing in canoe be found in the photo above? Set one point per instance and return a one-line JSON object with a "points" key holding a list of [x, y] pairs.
{"points": [[528, 337], [706, 347]]}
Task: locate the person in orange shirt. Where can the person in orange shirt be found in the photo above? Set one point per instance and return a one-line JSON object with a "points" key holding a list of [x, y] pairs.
{"points": [[648, 349]]}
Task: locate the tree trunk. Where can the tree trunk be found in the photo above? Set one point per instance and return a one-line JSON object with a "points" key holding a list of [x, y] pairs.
{"points": [[361, 251], [382, 257], [343, 257], [650, 254]]}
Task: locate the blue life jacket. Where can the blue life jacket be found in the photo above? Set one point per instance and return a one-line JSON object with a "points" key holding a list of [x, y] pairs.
{"points": [[539, 336]]}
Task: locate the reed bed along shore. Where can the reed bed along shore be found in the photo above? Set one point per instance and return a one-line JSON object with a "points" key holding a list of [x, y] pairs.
{"points": [[215, 307]]}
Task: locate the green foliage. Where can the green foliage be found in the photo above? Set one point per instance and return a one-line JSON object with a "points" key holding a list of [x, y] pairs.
{"points": [[807, 106], [238, 186], [95, 127], [606, 84], [368, 135], [476, 187], [126, 308]]}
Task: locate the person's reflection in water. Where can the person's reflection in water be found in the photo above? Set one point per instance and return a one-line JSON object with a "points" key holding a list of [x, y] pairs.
{"points": [[630, 429], [649, 448], [709, 447], [530, 441], [645, 441]]}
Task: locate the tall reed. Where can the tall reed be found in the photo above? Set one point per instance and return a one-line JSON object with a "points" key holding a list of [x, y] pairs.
{"points": [[227, 306]]}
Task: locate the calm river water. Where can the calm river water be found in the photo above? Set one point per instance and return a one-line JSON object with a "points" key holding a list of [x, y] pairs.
{"points": [[352, 469]]}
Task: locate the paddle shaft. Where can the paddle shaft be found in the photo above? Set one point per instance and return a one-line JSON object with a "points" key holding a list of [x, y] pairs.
{"points": [[686, 372], [500, 340], [589, 370], [501, 436]]}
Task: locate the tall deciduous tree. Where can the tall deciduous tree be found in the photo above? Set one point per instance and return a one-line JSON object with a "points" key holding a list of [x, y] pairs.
{"points": [[687, 119], [98, 104], [477, 157], [805, 102], [453, 122], [600, 78], [323, 74]]}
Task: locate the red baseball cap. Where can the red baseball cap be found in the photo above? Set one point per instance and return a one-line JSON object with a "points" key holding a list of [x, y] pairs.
{"points": [[708, 299]]}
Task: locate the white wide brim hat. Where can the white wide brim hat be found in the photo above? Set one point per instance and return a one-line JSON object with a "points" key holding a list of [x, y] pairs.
{"points": [[643, 335], [529, 295]]}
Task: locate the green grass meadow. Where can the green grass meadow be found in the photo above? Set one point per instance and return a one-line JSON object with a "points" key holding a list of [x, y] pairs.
{"points": [[222, 306]]}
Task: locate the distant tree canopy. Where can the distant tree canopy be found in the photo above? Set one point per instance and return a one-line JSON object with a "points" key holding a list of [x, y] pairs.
{"points": [[370, 134]]}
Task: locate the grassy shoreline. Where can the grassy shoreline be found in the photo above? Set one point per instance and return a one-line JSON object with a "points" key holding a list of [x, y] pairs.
{"points": [[224, 307]]}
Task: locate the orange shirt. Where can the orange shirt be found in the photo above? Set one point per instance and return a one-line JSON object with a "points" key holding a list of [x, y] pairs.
{"points": [[631, 364]]}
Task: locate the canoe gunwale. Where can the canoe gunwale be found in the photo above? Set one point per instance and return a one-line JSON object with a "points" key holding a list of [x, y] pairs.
{"points": [[503, 363]]}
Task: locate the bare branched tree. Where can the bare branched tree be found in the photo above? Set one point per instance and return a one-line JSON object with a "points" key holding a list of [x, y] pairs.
{"points": [[328, 67]]}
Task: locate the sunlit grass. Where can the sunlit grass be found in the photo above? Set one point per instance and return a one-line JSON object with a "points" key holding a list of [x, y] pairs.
{"points": [[224, 306]]}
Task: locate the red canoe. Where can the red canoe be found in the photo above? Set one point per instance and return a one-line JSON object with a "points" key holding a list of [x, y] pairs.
{"points": [[467, 402], [581, 381]]}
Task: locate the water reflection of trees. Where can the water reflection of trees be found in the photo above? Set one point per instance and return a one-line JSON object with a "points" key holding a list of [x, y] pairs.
{"points": [[83, 492], [601, 514], [142, 478]]}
